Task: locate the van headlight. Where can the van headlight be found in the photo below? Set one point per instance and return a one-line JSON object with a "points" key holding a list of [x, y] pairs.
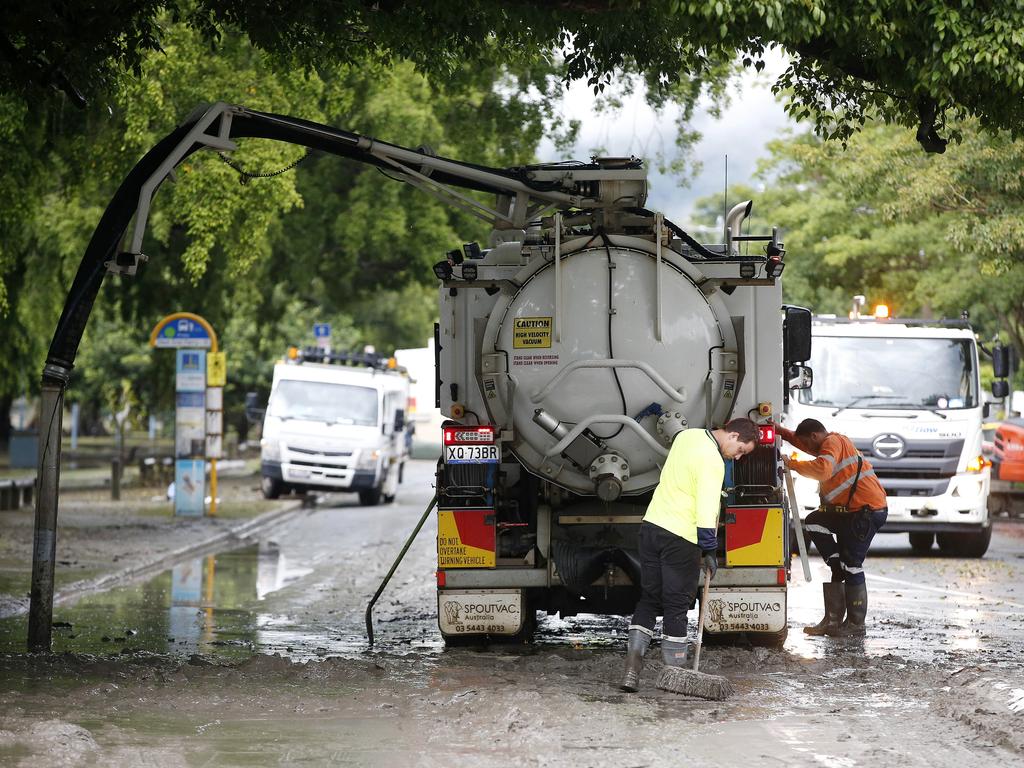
{"points": [[270, 450], [368, 460]]}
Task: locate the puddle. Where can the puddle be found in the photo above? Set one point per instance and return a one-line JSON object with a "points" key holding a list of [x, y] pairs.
{"points": [[207, 605]]}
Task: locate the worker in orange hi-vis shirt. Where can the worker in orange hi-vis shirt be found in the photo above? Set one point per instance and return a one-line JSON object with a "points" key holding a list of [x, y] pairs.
{"points": [[853, 509]]}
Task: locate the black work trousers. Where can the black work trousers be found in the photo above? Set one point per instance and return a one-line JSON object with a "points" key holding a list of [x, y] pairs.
{"points": [[843, 539], [669, 570]]}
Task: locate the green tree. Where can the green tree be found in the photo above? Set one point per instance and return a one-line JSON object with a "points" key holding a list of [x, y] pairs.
{"points": [[924, 64], [928, 235], [329, 241]]}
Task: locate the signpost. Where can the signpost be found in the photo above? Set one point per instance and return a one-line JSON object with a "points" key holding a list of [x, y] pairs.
{"points": [[322, 334], [199, 407]]}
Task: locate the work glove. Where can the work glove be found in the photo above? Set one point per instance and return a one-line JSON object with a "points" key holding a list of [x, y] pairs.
{"points": [[710, 560]]}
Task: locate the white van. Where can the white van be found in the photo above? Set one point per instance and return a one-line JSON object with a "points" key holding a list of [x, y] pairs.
{"points": [[336, 422]]}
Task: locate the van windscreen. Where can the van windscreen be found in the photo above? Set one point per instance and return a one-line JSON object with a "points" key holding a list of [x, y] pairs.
{"points": [[321, 401]]}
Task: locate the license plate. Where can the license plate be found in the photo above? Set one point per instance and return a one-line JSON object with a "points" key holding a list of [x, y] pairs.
{"points": [[471, 454], [299, 473], [480, 611], [746, 611]]}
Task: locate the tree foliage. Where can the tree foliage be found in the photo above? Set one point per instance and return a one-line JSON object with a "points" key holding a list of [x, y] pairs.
{"points": [[928, 235], [330, 240], [927, 64]]}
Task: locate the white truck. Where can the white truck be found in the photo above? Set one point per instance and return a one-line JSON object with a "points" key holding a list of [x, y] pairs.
{"points": [[335, 422], [424, 417], [908, 394]]}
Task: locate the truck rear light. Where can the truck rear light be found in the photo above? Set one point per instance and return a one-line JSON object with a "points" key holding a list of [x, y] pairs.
{"points": [[978, 464], [468, 435], [441, 578], [780, 577], [766, 434]]}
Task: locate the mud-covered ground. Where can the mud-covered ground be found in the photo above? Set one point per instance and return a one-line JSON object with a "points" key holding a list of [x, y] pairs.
{"points": [[259, 657]]}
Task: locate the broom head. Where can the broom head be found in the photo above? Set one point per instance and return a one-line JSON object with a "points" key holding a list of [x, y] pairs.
{"points": [[697, 684]]}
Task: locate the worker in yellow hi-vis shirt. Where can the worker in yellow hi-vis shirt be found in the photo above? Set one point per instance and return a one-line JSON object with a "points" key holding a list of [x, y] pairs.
{"points": [[678, 533]]}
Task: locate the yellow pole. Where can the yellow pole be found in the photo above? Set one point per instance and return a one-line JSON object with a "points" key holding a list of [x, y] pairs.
{"points": [[208, 599], [213, 462]]}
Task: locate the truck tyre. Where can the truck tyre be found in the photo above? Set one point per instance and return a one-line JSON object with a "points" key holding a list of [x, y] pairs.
{"points": [[973, 544], [370, 497], [272, 487], [921, 542]]}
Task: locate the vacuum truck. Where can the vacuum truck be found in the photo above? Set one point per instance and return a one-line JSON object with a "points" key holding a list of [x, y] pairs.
{"points": [[569, 357], [571, 349]]}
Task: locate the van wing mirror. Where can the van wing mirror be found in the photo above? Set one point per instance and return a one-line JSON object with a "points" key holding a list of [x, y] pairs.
{"points": [[796, 334], [1000, 361], [800, 376], [254, 409], [1000, 388], [399, 420]]}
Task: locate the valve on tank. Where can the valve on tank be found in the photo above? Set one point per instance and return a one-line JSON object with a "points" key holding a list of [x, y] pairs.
{"points": [[582, 451], [609, 472], [670, 424]]}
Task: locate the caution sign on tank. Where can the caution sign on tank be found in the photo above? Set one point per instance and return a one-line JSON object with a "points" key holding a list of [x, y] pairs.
{"points": [[465, 538], [531, 333]]}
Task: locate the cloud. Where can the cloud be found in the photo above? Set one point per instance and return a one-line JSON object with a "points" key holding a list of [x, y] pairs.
{"points": [[753, 118]]}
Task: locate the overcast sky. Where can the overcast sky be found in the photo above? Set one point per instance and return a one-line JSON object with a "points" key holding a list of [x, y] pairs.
{"points": [[752, 119]]}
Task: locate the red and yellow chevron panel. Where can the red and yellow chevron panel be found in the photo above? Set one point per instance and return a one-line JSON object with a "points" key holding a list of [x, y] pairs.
{"points": [[465, 538], [755, 537]]}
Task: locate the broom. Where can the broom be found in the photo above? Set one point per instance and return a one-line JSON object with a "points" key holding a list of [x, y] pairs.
{"points": [[690, 682]]}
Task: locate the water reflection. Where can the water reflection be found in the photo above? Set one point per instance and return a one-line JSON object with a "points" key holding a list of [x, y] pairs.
{"points": [[201, 605]]}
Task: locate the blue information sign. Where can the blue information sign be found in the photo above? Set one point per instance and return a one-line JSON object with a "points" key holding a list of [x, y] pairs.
{"points": [[182, 332], [322, 330]]}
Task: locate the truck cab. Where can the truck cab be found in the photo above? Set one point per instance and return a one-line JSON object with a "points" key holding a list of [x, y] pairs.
{"points": [[908, 394], [335, 422]]}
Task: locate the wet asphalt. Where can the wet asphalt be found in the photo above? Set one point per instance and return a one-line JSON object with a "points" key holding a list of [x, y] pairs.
{"points": [[944, 633]]}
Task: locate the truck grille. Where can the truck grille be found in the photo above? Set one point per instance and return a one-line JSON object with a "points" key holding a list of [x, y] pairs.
{"points": [[924, 469]]}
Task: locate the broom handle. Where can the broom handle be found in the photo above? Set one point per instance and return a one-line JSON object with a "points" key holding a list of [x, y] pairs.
{"points": [[700, 620]]}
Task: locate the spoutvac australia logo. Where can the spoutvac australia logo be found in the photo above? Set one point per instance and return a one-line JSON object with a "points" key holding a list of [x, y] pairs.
{"points": [[888, 446]]}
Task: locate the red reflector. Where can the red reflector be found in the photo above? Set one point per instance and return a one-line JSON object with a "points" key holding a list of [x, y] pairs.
{"points": [[766, 435], [781, 576], [441, 578], [474, 435]]}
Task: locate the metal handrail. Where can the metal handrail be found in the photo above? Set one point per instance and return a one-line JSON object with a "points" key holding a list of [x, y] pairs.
{"points": [[678, 395], [605, 418]]}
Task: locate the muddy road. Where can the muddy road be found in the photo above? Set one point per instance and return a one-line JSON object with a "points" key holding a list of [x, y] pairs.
{"points": [[258, 656]]}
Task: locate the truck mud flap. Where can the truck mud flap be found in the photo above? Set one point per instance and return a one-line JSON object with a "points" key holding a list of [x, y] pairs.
{"points": [[746, 610], [580, 566], [480, 611]]}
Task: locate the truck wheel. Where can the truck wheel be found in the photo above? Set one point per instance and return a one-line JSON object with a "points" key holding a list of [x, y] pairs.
{"points": [[271, 487], [974, 544], [921, 542], [370, 497]]}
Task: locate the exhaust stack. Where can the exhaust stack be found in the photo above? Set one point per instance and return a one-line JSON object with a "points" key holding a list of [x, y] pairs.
{"points": [[733, 221]]}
